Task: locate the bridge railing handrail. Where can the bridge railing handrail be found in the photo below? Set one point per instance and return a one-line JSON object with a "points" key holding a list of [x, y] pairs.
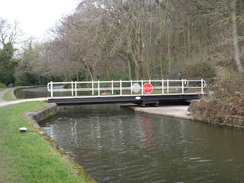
{"points": [[163, 85]]}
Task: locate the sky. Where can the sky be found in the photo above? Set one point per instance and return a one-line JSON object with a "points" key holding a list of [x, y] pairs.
{"points": [[36, 17]]}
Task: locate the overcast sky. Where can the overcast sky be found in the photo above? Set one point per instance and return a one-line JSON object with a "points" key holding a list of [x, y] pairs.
{"points": [[35, 17]]}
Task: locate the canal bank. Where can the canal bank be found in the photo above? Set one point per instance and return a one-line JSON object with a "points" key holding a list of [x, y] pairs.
{"points": [[25, 157], [183, 112], [177, 111], [45, 112]]}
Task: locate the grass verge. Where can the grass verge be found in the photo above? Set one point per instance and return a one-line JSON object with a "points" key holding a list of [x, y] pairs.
{"points": [[9, 95], [27, 158]]}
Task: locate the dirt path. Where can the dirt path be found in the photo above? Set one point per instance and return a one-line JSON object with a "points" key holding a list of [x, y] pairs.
{"points": [[7, 102], [2, 93]]}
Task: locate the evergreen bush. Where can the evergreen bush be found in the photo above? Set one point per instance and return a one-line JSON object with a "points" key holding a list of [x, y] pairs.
{"points": [[2, 85]]}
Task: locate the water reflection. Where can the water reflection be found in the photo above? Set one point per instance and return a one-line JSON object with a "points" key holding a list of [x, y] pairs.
{"points": [[147, 132], [117, 145], [38, 92], [32, 92]]}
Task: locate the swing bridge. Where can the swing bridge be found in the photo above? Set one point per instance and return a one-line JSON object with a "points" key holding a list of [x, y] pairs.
{"points": [[141, 92]]}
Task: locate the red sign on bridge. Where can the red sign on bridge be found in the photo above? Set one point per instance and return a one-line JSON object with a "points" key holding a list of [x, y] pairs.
{"points": [[147, 88]]}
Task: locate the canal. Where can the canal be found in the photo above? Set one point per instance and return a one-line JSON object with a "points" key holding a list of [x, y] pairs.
{"points": [[117, 145], [34, 92]]}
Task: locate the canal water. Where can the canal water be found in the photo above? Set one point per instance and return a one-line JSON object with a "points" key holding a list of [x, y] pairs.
{"points": [[117, 145], [35, 92], [38, 92]]}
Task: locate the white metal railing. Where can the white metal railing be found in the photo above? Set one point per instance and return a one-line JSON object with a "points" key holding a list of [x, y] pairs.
{"points": [[138, 87]]}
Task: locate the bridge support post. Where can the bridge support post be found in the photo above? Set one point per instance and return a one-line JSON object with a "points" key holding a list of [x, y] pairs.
{"points": [[162, 86], [51, 85], [75, 89], [98, 87], [167, 86], [182, 86], [92, 87], [202, 85], [142, 87], [120, 87], [72, 89], [150, 102], [112, 87]]}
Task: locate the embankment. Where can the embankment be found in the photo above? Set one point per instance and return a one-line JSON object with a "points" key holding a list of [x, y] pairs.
{"points": [[35, 117]]}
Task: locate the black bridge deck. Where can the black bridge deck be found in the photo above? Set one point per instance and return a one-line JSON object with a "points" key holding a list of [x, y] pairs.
{"points": [[137, 99]]}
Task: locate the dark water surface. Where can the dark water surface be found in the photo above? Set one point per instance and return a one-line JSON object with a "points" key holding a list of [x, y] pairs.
{"points": [[38, 92], [116, 145], [35, 92]]}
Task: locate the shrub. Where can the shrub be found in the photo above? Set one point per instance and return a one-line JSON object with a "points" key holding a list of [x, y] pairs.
{"points": [[200, 70], [225, 98], [2, 85], [120, 76]]}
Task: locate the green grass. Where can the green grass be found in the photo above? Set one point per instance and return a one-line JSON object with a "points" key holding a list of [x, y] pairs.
{"points": [[9, 95], [26, 157], [2, 86], [165, 91], [157, 92]]}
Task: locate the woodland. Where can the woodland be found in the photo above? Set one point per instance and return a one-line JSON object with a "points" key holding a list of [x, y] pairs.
{"points": [[121, 39], [139, 39]]}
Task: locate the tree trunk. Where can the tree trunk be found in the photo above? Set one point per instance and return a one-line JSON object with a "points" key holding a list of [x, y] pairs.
{"points": [[235, 37], [89, 71], [137, 66]]}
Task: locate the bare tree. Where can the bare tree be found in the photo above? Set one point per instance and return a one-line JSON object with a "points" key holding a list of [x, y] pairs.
{"points": [[223, 14], [9, 33], [146, 39]]}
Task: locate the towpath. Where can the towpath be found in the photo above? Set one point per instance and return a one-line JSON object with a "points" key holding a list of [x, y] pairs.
{"points": [[9, 102]]}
